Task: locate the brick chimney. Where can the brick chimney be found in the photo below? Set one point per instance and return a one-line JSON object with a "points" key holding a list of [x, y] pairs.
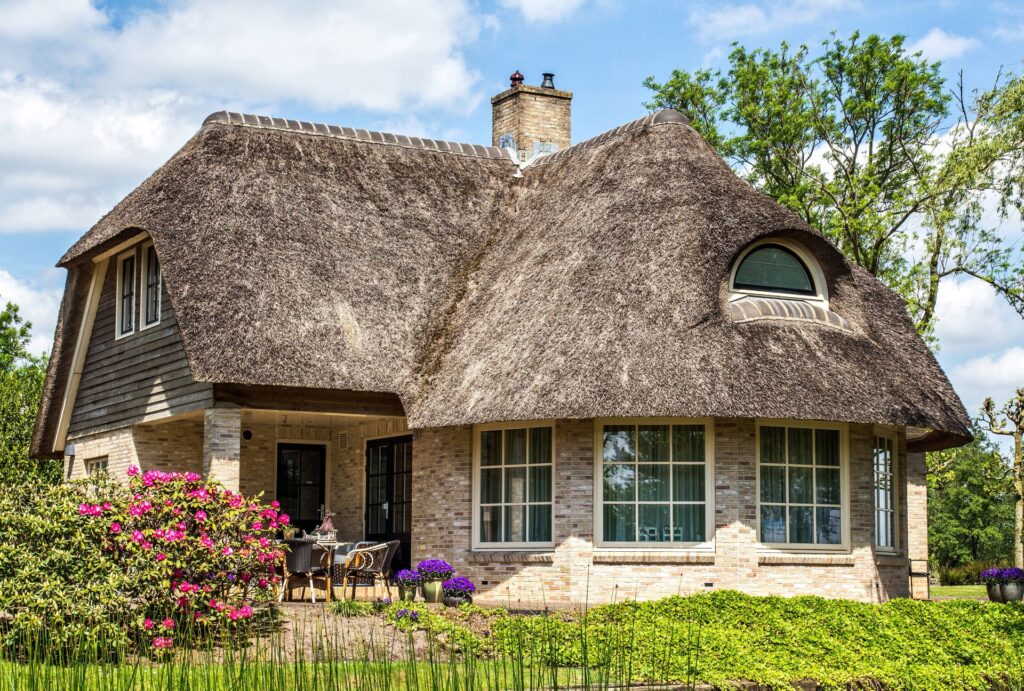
{"points": [[531, 119]]}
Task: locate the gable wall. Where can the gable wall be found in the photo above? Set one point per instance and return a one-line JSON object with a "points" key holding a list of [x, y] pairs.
{"points": [[140, 377]]}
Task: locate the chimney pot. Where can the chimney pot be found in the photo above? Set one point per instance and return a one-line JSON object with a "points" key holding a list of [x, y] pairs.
{"points": [[549, 80], [516, 78]]}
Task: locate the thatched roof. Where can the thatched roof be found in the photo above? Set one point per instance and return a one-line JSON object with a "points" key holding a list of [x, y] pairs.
{"points": [[593, 285]]}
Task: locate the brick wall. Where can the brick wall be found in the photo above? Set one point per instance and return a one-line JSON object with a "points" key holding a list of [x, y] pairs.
{"points": [[170, 446], [575, 571], [222, 437], [532, 114]]}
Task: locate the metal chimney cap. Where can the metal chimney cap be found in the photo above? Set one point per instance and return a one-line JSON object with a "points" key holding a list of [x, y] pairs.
{"points": [[549, 81], [517, 78]]}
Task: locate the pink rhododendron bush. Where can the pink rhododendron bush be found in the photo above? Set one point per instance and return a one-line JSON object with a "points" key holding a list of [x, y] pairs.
{"points": [[170, 559]]}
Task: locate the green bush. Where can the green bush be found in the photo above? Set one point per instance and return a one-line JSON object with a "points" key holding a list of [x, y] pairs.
{"points": [[96, 566], [966, 574]]}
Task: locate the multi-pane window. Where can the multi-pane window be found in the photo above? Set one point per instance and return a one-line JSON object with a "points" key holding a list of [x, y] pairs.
{"points": [[514, 486], [653, 483], [126, 295], [96, 466], [800, 486], [885, 505], [152, 269]]}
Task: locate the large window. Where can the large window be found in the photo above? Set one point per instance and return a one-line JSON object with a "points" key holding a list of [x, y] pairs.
{"points": [[513, 486], [126, 294], [654, 483], [151, 272], [885, 493], [800, 478], [773, 268]]}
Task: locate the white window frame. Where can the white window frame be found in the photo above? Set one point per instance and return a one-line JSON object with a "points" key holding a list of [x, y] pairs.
{"points": [[95, 466], [894, 493], [477, 543], [844, 479], [820, 297], [118, 309], [144, 289], [709, 484]]}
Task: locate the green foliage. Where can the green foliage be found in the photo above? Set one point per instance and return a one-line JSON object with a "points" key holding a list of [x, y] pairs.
{"points": [[968, 573], [21, 388], [970, 506], [352, 608], [862, 139], [169, 556]]}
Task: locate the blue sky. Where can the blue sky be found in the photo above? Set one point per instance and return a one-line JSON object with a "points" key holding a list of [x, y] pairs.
{"points": [[96, 95]]}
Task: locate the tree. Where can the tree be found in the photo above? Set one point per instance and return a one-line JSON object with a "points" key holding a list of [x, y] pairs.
{"points": [[1009, 421], [21, 386], [863, 142], [970, 504]]}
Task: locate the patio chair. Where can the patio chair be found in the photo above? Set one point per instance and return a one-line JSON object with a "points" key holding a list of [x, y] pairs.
{"points": [[303, 566], [368, 566]]}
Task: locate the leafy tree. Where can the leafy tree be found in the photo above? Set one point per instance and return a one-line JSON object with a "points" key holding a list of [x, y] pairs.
{"points": [[865, 143], [21, 386], [970, 504], [1009, 421]]}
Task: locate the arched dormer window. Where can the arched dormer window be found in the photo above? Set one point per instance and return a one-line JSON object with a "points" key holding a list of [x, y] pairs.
{"points": [[780, 269]]}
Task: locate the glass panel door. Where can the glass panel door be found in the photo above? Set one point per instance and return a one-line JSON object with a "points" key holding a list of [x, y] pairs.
{"points": [[389, 494], [301, 483]]}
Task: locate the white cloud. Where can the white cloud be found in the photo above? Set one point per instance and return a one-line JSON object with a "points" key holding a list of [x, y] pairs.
{"points": [[998, 376], [54, 19], [972, 319], [38, 304], [728, 22], [938, 45], [1009, 18], [543, 10]]}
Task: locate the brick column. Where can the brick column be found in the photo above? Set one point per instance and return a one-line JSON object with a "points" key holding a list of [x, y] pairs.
{"points": [[222, 439], [917, 524], [735, 511]]}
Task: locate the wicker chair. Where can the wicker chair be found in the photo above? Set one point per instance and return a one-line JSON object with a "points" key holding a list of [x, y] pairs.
{"points": [[304, 564], [367, 566]]}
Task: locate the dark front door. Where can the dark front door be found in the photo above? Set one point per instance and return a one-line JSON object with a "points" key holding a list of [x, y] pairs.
{"points": [[389, 494], [300, 483]]}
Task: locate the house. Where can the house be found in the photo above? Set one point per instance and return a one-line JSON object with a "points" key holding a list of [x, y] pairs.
{"points": [[611, 369]]}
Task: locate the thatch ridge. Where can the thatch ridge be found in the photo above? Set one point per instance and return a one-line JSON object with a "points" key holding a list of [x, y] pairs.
{"points": [[592, 286]]}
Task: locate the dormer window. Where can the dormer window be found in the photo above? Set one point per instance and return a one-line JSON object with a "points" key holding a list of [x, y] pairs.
{"points": [[772, 268], [126, 282], [151, 276]]}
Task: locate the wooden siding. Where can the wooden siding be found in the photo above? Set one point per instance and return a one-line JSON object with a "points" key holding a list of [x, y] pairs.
{"points": [[138, 377]]}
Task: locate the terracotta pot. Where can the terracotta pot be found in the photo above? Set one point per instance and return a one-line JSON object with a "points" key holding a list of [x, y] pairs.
{"points": [[432, 591], [406, 593], [1012, 592], [995, 592]]}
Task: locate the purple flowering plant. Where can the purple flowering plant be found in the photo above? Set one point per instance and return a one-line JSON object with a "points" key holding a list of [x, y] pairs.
{"points": [[407, 577], [459, 586], [410, 614], [992, 576], [1012, 575], [434, 570]]}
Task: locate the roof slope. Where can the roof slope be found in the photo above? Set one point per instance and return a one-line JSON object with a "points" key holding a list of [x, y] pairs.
{"points": [[593, 285]]}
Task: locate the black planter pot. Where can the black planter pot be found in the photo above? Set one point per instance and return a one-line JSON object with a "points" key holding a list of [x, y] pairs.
{"points": [[451, 601], [995, 592], [1012, 592]]}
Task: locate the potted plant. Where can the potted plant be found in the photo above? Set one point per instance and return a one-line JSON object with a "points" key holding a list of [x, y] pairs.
{"points": [[993, 580], [407, 581], [457, 591], [432, 573], [1012, 586]]}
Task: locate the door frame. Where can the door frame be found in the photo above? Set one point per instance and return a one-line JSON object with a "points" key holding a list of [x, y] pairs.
{"points": [[327, 464]]}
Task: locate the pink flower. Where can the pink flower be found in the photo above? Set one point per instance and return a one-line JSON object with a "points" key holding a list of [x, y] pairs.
{"points": [[115, 527], [147, 545], [227, 551], [262, 584], [200, 516], [283, 519], [148, 624], [161, 642], [137, 536], [133, 470], [106, 506], [276, 504], [257, 525], [168, 623], [160, 556], [193, 477]]}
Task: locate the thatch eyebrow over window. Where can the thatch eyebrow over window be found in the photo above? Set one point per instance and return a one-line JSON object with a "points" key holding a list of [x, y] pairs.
{"points": [[774, 268]]}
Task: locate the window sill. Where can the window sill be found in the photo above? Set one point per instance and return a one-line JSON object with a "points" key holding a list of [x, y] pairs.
{"points": [[805, 559], [652, 557], [512, 557], [890, 559]]}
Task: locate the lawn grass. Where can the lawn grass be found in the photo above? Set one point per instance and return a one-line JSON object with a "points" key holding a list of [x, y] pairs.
{"points": [[962, 592]]}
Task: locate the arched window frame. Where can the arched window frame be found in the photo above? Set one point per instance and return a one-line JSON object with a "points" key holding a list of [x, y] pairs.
{"points": [[820, 295]]}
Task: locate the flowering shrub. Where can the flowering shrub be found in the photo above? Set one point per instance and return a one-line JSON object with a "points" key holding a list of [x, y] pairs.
{"points": [[434, 570], [989, 576], [138, 563], [460, 586], [407, 578]]}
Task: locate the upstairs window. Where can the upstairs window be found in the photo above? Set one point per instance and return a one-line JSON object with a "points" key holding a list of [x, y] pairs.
{"points": [[151, 273], [126, 294], [774, 268]]}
